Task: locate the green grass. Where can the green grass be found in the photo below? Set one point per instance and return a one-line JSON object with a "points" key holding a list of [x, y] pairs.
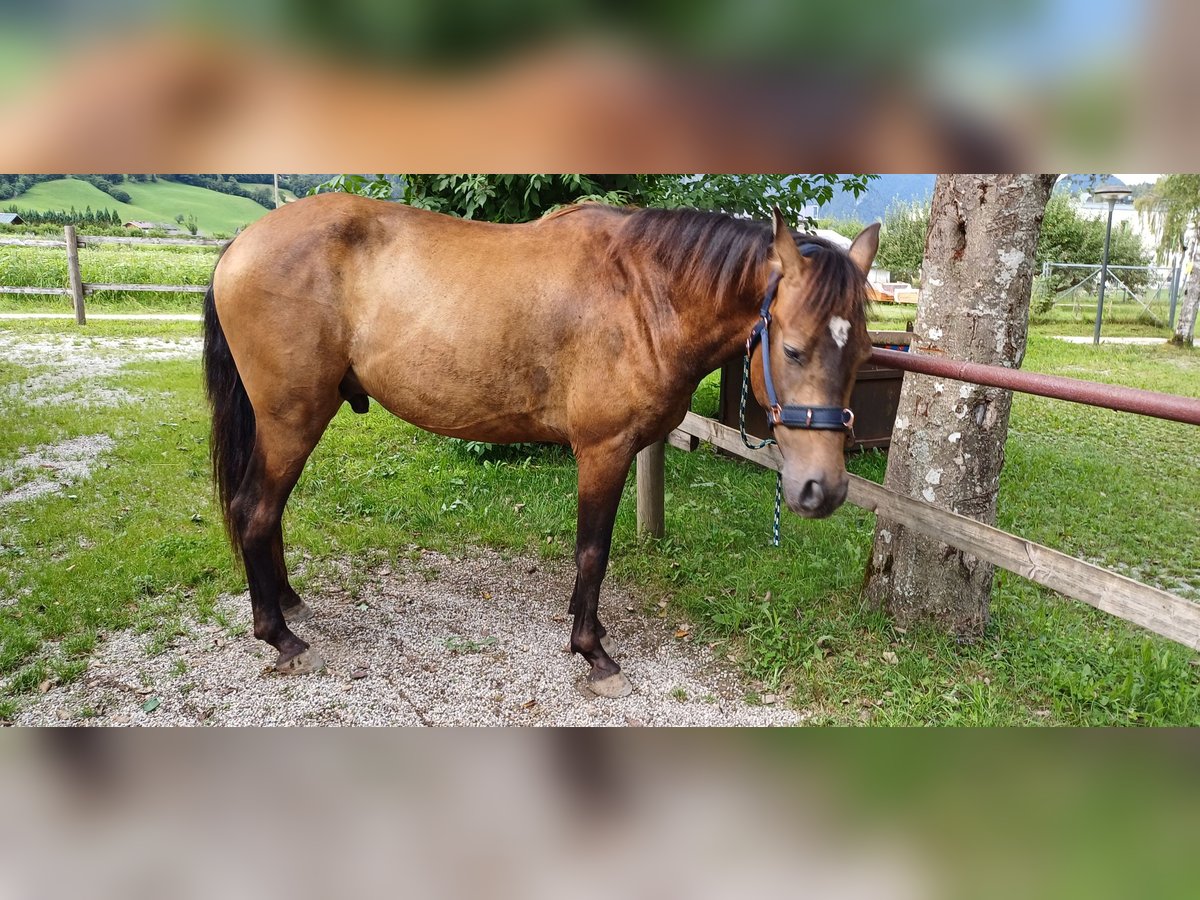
{"points": [[157, 201], [140, 546]]}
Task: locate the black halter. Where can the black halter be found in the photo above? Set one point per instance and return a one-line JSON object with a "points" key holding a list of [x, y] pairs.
{"points": [[818, 418]]}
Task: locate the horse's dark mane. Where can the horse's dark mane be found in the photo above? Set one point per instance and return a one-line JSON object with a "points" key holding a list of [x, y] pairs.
{"points": [[716, 254]]}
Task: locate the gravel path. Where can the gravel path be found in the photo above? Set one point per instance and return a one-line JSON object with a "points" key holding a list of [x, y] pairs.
{"points": [[436, 640]]}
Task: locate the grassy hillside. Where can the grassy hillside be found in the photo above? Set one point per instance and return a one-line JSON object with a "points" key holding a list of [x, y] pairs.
{"points": [[64, 193], [213, 211], [159, 201]]}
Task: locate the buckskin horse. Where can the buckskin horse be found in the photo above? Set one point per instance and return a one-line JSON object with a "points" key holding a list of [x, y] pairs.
{"points": [[591, 326]]}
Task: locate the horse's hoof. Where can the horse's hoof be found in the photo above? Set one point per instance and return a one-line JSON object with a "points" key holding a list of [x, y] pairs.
{"points": [[613, 687], [301, 612], [303, 663]]}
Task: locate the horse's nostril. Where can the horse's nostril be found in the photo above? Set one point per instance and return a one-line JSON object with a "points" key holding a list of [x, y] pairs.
{"points": [[812, 496]]}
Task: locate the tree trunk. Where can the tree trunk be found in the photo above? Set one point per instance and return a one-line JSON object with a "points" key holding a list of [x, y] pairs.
{"points": [[1185, 320], [948, 443]]}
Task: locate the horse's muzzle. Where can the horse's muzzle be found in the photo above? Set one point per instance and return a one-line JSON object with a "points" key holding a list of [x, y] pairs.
{"points": [[815, 497]]}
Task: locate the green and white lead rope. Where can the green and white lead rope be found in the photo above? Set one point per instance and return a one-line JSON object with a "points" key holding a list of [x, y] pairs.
{"points": [[759, 446]]}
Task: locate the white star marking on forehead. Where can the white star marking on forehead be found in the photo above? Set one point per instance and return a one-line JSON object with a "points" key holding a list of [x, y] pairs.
{"points": [[840, 329]]}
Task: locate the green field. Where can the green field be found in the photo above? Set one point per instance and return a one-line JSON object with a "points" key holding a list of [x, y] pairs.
{"points": [[156, 201], [141, 545]]}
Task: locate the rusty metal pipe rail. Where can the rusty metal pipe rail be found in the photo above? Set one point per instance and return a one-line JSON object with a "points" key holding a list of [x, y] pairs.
{"points": [[1092, 393]]}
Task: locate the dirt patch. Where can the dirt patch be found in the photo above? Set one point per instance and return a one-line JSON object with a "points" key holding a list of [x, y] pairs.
{"points": [[67, 367], [436, 640], [50, 468]]}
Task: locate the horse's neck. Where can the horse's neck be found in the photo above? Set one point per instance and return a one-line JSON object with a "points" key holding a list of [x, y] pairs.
{"points": [[723, 329]]}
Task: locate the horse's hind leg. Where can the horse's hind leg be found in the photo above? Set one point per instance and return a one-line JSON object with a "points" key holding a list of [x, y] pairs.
{"points": [[294, 609], [606, 641], [602, 472], [280, 451]]}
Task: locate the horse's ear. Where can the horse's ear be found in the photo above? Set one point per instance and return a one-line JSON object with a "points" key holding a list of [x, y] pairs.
{"points": [[864, 248], [785, 252]]}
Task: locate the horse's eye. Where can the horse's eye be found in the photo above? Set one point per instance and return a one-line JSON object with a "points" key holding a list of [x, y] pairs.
{"points": [[796, 356]]}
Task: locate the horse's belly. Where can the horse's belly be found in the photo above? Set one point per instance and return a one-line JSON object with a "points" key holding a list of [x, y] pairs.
{"points": [[494, 427], [460, 402]]}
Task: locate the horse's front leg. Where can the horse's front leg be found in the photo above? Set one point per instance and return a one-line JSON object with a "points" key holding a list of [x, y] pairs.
{"points": [[602, 473]]}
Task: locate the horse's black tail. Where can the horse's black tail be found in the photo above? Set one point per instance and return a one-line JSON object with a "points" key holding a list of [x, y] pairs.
{"points": [[232, 440]]}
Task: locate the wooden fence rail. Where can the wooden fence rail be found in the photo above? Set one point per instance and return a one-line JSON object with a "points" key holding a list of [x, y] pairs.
{"points": [[101, 240], [1156, 610], [90, 287], [78, 288], [30, 242], [35, 290]]}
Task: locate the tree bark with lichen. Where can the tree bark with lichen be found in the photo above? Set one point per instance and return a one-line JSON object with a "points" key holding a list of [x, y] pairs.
{"points": [[948, 443]]}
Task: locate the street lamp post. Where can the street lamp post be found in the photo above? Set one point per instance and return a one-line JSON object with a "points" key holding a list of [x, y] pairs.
{"points": [[1111, 194]]}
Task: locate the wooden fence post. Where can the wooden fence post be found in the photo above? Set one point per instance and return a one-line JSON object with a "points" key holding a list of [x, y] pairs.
{"points": [[650, 490], [73, 272]]}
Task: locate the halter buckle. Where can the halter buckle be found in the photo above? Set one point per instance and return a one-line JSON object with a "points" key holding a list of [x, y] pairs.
{"points": [[776, 414], [848, 425]]}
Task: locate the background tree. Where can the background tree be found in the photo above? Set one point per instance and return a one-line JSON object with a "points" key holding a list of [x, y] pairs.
{"points": [[1066, 237], [1173, 207], [847, 228], [1069, 237], [104, 217], [948, 443], [902, 241], [520, 198]]}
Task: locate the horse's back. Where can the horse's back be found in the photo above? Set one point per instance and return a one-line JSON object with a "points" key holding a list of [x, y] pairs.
{"points": [[460, 327]]}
